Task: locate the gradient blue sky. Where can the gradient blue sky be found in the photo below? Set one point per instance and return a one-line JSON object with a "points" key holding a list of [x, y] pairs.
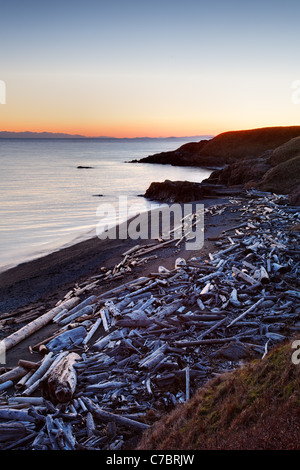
{"points": [[129, 68]]}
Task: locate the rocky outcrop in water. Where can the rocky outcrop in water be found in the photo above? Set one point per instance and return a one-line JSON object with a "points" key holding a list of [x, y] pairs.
{"points": [[186, 191]]}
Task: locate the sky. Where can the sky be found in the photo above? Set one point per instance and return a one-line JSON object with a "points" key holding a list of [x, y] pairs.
{"points": [[137, 68]]}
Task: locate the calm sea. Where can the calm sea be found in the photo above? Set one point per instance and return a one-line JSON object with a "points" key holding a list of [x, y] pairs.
{"points": [[47, 203]]}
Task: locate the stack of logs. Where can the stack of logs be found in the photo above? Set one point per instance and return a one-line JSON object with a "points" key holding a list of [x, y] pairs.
{"points": [[120, 360]]}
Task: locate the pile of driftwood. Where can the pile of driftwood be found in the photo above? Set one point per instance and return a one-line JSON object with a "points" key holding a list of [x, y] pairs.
{"points": [[120, 360]]}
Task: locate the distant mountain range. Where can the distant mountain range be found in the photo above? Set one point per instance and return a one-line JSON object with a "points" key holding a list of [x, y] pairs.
{"points": [[57, 135]]}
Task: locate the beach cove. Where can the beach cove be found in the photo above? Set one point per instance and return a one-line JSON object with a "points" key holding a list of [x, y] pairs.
{"points": [[51, 189], [131, 328], [231, 327]]}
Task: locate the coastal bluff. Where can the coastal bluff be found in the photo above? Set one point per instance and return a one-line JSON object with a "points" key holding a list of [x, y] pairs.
{"points": [[226, 147], [266, 159]]}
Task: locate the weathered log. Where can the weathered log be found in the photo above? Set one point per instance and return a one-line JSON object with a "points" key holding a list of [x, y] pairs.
{"points": [[104, 318], [95, 378], [16, 415], [153, 358], [51, 432], [102, 342], [36, 324], [104, 386], [87, 310], [90, 424], [21, 442], [14, 374], [187, 383], [119, 289], [28, 400], [60, 315], [20, 384], [47, 367], [203, 342], [204, 317], [250, 309], [28, 364], [92, 331], [107, 417], [214, 327], [68, 339], [226, 250], [61, 382], [234, 351], [12, 431], [245, 276], [130, 323], [6, 385], [46, 363]]}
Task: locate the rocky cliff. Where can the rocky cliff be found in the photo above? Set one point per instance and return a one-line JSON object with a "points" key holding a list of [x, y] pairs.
{"points": [[275, 170], [226, 148], [267, 159]]}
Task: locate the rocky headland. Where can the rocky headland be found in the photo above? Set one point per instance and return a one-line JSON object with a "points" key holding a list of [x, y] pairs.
{"points": [[267, 159]]}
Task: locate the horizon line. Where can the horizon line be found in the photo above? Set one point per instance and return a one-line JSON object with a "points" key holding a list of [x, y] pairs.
{"points": [[44, 134]]}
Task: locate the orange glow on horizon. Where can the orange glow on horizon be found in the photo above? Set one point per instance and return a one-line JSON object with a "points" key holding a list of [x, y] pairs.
{"points": [[128, 131], [131, 132]]}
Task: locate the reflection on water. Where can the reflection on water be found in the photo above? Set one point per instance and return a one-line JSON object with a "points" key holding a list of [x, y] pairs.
{"points": [[46, 202]]}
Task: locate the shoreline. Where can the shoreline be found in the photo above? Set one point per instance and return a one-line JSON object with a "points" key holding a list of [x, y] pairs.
{"points": [[39, 284], [207, 311], [32, 280]]}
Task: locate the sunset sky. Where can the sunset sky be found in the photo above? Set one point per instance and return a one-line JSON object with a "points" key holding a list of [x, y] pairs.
{"points": [[128, 68]]}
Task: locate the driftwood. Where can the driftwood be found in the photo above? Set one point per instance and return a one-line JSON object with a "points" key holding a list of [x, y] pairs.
{"points": [[6, 385], [250, 309], [16, 415], [35, 325], [67, 339], [14, 374], [159, 337], [110, 417], [61, 382], [43, 372], [28, 364], [12, 431]]}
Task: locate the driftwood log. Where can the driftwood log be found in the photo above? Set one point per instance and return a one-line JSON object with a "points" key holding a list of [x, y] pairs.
{"points": [[107, 417], [36, 324], [13, 374], [12, 431], [61, 382]]}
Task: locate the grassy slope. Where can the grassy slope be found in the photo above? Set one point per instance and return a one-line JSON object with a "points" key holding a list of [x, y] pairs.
{"points": [[286, 151], [255, 407], [227, 147], [282, 178], [252, 142]]}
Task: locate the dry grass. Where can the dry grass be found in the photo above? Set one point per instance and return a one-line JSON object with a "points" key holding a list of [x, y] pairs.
{"points": [[285, 152], [255, 407], [253, 142], [283, 178]]}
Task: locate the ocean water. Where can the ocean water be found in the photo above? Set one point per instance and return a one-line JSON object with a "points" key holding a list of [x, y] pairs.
{"points": [[47, 203]]}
